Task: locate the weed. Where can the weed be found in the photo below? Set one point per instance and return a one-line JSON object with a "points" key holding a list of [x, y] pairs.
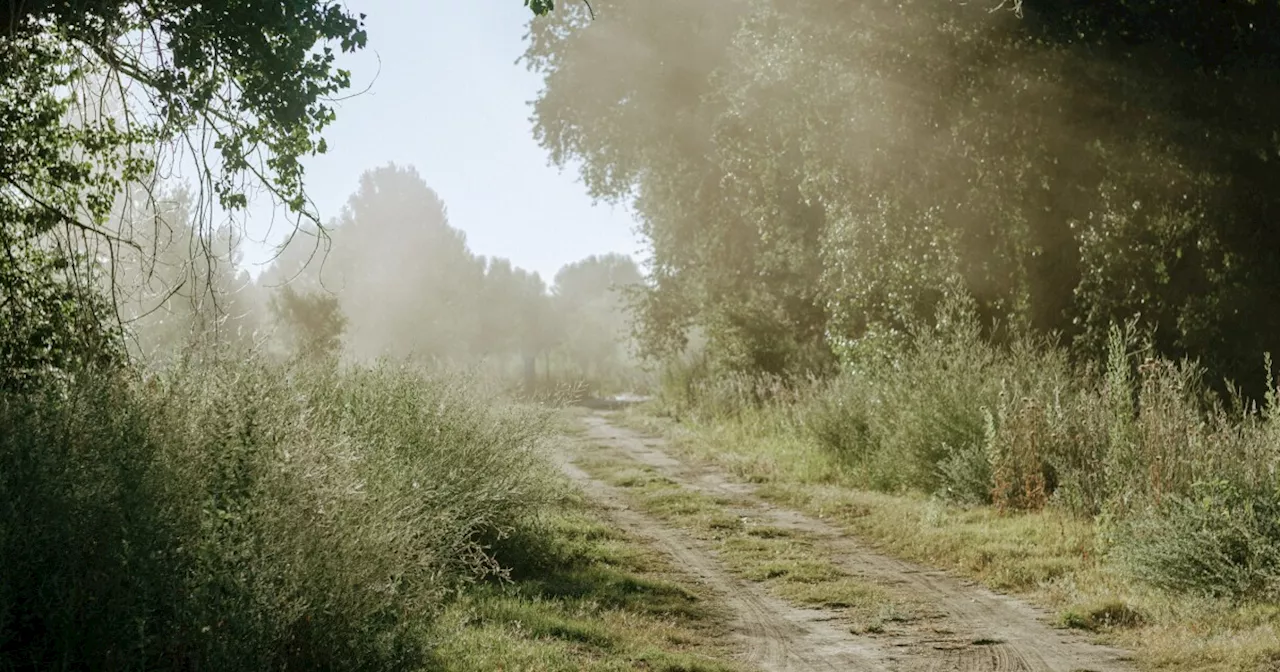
{"points": [[252, 515]]}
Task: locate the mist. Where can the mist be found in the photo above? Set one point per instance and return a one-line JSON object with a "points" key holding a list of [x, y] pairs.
{"points": [[948, 344], [822, 169]]}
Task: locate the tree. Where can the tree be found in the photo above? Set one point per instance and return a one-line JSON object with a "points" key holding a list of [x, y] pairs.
{"points": [[180, 290], [810, 172], [313, 323], [652, 128], [403, 276], [591, 305]]}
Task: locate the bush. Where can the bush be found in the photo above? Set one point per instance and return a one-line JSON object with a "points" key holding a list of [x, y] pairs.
{"points": [[944, 410], [1222, 541], [692, 388], [251, 516], [909, 414]]}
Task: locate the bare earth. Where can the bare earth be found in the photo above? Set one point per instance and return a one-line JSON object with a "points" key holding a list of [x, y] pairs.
{"points": [[967, 629]]}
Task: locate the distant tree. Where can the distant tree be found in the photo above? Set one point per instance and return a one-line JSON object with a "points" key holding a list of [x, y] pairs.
{"points": [[538, 327], [181, 290], [595, 278], [591, 303], [404, 277], [312, 323], [499, 308]]}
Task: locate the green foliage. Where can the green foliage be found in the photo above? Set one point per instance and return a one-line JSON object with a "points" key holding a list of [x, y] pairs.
{"points": [[91, 91], [248, 516], [911, 414], [944, 411], [1182, 486], [51, 325], [1222, 540], [540, 7], [746, 277], [810, 173]]}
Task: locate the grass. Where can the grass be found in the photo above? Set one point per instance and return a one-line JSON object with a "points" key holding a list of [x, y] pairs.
{"points": [[248, 515], [1049, 555], [1118, 488], [586, 597], [264, 515]]}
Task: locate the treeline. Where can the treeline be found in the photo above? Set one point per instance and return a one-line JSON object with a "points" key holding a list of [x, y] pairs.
{"points": [[810, 174], [389, 278]]}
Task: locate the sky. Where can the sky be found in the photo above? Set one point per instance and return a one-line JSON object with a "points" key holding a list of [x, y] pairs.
{"points": [[447, 96]]}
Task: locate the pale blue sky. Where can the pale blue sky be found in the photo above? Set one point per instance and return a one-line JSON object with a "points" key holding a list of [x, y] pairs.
{"points": [[451, 100]]}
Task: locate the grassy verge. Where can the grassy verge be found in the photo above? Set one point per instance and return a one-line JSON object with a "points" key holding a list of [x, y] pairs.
{"points": [[791, 564], [1049, 556], [583, 596]]}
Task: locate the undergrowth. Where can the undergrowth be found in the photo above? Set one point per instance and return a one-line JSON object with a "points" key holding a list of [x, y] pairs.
{"points": [[1169, 489], [252, 515]]}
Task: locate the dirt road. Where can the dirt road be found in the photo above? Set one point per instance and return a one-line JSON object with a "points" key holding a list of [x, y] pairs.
{"points": [[967, 629]]}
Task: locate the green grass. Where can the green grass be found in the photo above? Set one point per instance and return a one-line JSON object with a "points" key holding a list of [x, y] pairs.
{"points": [[1050, 556], [586, 597]]}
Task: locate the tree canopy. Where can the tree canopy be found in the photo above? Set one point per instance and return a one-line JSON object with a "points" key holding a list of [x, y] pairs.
{"points": [[809, 173]]}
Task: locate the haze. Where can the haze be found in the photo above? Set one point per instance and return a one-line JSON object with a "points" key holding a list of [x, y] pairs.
{"points": [[944, 340], [447, 97]]}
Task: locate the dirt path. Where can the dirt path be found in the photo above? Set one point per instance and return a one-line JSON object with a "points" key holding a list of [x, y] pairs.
{"points": [[967, 629]]}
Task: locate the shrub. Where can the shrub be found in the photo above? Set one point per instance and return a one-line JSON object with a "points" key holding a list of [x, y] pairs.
{"points": [[909, 413], [946, 411], [248, 516], [691, 388], [1223, 541]]}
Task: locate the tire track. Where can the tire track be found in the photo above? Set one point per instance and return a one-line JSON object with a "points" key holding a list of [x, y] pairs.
{"points": [[775, 636], [971, 629]]}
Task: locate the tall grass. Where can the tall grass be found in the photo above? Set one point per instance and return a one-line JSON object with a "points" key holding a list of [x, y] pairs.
{"points": [[252, 516], [1139, 443]]}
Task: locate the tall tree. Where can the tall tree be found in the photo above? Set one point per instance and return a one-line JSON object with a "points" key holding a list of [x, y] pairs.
{"points": [[592, 307], [405, 278], [634, 97], [812, 170]]}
